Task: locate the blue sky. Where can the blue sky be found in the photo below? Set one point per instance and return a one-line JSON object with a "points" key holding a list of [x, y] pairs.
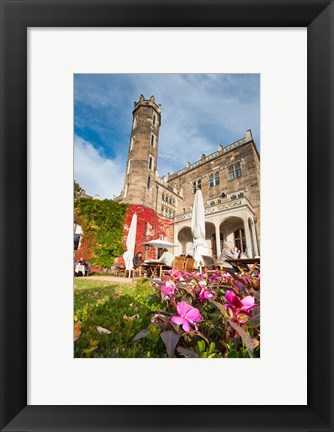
{"points": [[199, 112]]}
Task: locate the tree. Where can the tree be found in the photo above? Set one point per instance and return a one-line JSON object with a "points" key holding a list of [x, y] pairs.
{"points": [[103, 224]]}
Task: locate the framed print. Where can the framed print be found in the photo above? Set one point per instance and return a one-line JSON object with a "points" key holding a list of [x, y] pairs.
{"points": [[21, 411]]}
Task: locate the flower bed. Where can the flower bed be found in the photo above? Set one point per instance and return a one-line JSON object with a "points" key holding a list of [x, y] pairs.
{"points": [[183, 315], [208, 317]]}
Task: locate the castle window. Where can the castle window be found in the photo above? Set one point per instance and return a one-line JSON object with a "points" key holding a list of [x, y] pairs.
{"points": [[135, 121], [148, 182], [214, 179], [126, 190], [237, 170], [132, 142], [240, 240], [152, 140], [150, 162], [234, 171], [129, 166], [163, 196], [197, 184], [154, 119], [162, 209]]}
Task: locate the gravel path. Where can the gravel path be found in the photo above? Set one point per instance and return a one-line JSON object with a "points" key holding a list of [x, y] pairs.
{"points": [[109, 279]]}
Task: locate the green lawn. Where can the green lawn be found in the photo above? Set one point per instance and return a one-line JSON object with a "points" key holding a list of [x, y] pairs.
{"points": [[122, 309]]}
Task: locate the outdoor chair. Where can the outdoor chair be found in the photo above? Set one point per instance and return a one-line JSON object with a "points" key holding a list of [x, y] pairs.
{"points": [[178, 264], [211, 267], [189, 265], [120, 271], [138, 272]]}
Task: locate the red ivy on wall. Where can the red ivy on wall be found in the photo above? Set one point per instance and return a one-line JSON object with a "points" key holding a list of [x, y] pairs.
{"points": [[150, 226]]}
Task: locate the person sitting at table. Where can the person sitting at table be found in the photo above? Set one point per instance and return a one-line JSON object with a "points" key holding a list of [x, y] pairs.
{"points": [[228, 252], [138, 261], [80, 267], [167, 259]]}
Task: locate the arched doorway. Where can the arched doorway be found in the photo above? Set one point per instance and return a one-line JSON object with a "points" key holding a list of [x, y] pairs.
{"points": [[234, 230], [185, 240]]}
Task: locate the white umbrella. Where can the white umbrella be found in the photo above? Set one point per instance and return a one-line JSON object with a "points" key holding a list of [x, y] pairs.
{"points": [[160, 243], [130, 244], [198, 229]]}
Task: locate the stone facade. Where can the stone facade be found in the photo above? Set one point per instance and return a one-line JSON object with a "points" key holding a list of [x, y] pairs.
{"points": [[229, 179]]}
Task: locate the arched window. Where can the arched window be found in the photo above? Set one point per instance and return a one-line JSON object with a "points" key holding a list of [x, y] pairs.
{"points": [[135, 121], [133, 139], [129, 166], [154, 119]]}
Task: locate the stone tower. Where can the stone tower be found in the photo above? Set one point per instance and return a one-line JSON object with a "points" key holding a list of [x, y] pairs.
{"points": [[139, 184]]}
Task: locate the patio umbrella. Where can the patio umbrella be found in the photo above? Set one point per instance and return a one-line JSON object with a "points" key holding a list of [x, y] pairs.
{"points": [[160, 244], [198, 229], [130, 244]]}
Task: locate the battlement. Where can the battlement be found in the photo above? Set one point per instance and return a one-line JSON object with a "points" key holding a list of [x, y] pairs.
{"points": [[147, 102]]}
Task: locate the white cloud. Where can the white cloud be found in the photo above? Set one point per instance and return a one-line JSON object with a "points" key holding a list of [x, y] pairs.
{"points": [[96, 174]]}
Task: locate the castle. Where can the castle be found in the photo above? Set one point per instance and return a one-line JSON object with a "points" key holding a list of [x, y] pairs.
{"points": [[229, 179]]}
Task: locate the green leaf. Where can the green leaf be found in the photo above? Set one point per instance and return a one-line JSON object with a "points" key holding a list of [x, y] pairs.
{"points": [[200, 346], [170, 339], [232, 354], [244, 336], [211, 348], [255, 321], [222, 309]]}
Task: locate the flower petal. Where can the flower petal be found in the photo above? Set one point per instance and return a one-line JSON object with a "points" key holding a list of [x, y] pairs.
{"points": [[181, 308], [193, 315], [186, 326], [233, 299], [177, 320], [248, 302]]}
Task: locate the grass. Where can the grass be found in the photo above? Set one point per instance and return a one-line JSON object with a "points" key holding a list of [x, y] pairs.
{"points": [[123, 310]]}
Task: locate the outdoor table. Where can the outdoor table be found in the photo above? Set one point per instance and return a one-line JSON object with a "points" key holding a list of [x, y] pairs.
{"points": [[80, 267], [242, 264], [154, 266]]}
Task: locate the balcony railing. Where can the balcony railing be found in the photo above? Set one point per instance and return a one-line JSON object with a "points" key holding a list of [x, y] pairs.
{"points": [[212, 209]]}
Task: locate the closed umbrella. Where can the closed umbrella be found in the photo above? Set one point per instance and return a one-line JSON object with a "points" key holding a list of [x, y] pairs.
{"points": [[198, 229], [130, 244]]}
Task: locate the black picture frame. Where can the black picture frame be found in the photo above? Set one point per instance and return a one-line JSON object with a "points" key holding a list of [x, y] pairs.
{"points": [[16, 17]]}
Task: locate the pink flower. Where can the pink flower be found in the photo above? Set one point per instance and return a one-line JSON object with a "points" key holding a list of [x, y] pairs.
{"points": [[176, 274], [168, 289], [187, 315], [237, 306], [206, 295]]}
